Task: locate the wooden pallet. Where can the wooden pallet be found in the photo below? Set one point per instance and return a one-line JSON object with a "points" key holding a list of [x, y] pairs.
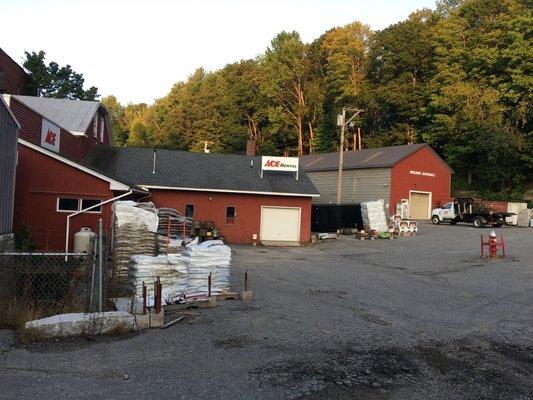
{"points": [[203, 302], [229, 296]]}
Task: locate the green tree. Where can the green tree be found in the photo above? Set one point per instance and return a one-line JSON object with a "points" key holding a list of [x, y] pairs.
{"points": [[400, 65], [118, 123], [287, 85], [343, 53], [480, 108], [54, 81]]}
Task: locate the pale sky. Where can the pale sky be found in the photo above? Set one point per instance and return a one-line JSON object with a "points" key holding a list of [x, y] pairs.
{"points": [[137, 50]]}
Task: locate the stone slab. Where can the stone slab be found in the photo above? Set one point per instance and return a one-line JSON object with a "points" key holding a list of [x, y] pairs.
{"points": [[81, 324]]}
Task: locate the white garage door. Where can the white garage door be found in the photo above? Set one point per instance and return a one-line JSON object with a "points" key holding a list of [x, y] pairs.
{"points": [[280, 224]]}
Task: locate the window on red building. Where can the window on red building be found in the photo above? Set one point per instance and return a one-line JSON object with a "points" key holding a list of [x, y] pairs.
{"points": [[231, 213], [86, 203], [189, 210], [67, 204]]}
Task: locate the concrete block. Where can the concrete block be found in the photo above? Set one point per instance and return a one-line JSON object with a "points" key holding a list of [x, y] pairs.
{"points": [[247, 295], [80, 324], [142, 321], [211, 302], [157, 320]]}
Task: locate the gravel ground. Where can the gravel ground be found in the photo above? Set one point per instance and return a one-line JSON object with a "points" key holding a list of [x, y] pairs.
{"points": [[415, 318]]}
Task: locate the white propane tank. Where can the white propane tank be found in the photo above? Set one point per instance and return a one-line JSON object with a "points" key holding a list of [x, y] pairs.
{"points": [[82, 240]]}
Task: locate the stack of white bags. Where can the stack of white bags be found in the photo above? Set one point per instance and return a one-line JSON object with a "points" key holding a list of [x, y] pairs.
{"points": [[183, 274], [213, 257], [171, 269], [374, 218]]}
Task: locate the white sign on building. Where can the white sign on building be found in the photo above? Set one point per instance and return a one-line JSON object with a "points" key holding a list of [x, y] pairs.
{"points": [[50, 136], [271, 163]]}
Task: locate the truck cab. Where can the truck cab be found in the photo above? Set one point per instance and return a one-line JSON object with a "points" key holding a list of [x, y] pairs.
{"points": [[445, 213]]}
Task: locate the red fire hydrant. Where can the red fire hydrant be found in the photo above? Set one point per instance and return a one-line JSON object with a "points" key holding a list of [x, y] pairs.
{"points": [[493, 245]]}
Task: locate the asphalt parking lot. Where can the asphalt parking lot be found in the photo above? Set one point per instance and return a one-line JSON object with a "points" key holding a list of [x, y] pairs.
{"points": [[415, 318]]}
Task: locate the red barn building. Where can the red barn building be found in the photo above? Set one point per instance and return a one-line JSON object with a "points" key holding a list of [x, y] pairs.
{"points": [[245, 205], [67, 164], [13, 78], [51, 182], [414, 174]]}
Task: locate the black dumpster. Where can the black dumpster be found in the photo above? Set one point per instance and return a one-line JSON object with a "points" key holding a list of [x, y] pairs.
{"points": [[332, 217]]}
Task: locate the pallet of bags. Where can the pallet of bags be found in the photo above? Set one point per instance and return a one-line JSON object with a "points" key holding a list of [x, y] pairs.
{"points": [[210, 257], [374, 217], [168, 245], [172, 271], [134, 230]]}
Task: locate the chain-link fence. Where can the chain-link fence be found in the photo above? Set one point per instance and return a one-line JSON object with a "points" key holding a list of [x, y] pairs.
{"points": [[37, 285]]}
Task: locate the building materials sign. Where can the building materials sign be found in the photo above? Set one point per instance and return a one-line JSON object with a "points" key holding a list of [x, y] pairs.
{"points": [[50, 136], [423, 173], [289, 164]]}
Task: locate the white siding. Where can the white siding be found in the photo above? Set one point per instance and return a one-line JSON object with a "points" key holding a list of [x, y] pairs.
{"points": [[358, 185]]}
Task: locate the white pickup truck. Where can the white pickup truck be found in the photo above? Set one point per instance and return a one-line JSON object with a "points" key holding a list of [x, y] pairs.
{"points": [[466, 210]]}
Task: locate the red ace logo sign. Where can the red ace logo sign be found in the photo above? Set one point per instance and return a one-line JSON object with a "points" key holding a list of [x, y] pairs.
{"points": [[279, 164], [50, 135]]}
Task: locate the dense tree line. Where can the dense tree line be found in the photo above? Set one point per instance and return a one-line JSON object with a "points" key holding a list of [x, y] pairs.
{"points": [[51, 80], [458, 78]]}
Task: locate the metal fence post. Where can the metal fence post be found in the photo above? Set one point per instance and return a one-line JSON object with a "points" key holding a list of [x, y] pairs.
{"points": [[100, 265], [93, 274]]}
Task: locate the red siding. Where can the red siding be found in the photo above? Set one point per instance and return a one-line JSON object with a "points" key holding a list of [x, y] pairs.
{"points": [[40, 181], [248, 209], [15, 80], [71, 146], [402, 181]]}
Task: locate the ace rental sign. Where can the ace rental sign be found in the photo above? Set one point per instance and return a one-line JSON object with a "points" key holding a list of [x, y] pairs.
{"points": [[289, 164], [279, 163]]}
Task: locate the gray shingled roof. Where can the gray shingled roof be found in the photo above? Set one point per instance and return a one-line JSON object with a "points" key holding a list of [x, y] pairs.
{"points": [[186, 170], [380, 157], [71, 115]]}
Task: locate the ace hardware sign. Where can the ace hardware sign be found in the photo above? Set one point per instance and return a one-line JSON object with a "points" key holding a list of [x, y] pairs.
{"points": [[50, 135]]}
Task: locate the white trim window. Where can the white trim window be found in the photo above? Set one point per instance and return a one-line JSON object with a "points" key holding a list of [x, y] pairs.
{"points": [[72, 204], [102, 124], [95, 125]]}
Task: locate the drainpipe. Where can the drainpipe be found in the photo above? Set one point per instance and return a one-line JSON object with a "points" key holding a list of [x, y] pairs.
{"points": [[84, 211]]}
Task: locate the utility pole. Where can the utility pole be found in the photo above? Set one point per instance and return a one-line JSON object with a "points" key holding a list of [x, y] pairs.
{"points": [[343, 123]]}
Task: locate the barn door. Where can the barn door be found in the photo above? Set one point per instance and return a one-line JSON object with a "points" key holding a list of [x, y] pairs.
{"points": [[419, 205]]}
